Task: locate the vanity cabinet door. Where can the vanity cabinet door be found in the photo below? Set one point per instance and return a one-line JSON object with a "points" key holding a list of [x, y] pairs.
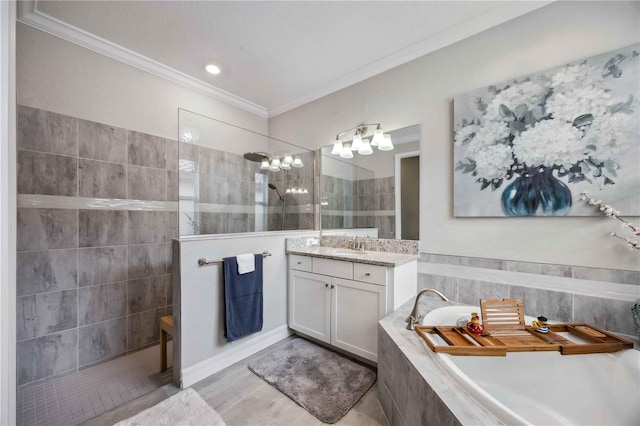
{"points": [[310, 304], [356, 309]]}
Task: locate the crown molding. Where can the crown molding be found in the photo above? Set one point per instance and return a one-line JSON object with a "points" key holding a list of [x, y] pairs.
{"points": [[510, 10], [29, 14]]}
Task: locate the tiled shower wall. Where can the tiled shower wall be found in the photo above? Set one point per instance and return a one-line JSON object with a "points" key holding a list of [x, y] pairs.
{"points": [[225, 194], [338, 202], [299, 208], [364, 203], [601, 297], [376, 203], [97, 208], [225, 190]]}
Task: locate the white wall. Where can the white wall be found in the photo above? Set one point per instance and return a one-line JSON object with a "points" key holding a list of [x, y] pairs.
{"points": [[203, 348], [60, 76], [422, 92]]}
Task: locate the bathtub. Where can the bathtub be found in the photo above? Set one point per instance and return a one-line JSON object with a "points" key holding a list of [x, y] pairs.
{"points": [[545, 388]]}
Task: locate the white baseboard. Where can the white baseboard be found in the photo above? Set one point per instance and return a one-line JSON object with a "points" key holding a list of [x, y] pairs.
{"points": [[240, 351]]}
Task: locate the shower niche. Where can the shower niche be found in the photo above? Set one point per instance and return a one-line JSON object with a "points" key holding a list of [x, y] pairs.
{"points": [[234, 180]]}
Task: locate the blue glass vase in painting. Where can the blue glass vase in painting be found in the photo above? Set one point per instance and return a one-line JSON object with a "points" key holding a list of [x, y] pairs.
{"points": [[536, 192]]}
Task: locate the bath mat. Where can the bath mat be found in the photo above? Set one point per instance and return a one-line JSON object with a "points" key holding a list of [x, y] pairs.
{"points": [[184, 408], [324, 383]]}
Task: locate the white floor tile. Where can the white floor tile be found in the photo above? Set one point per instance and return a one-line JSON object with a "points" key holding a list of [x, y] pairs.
{"points": [[77, 397]]}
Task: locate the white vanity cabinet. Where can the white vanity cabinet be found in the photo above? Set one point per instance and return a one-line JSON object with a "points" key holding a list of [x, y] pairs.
{"points": [[340, 302]]}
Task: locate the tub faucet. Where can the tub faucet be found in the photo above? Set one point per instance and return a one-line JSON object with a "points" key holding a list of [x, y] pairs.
{"points": [[415, 315]]}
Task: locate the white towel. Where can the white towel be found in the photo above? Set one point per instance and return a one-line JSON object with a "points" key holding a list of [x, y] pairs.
{"points": [[246, 263]]}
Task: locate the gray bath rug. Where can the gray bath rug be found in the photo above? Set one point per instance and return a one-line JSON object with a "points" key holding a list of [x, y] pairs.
{"points": [[322, 382]]}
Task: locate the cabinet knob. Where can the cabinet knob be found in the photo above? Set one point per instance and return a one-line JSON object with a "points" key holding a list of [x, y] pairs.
{"points": [[326, 285], [367, 274], [332, 285], [299, 263]]}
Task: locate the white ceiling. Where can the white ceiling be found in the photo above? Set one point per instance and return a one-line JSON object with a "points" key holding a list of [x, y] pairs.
{"points": [[276, 55]]}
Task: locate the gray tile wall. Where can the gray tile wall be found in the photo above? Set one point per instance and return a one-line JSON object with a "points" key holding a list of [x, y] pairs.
{"points": [[229, 180], [406, 398], [609, 314], [92, 283], [299, 207], [363, 204]]}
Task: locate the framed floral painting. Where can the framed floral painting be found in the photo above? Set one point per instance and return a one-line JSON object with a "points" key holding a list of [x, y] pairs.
{"points": [[530, 146]]}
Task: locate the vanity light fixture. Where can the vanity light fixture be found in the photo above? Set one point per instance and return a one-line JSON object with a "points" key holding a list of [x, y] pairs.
{"points": [[212, 69], [365, 148], [297, 191], [337, 146], [273, 164], [386, 144], [346, 151], [360, 143]]}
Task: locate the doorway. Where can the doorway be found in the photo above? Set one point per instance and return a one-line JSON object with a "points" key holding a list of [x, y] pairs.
{"points": [[408, 195]]}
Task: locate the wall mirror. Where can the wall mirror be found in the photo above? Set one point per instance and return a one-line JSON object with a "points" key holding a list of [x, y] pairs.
{"points": [[380, 191], [234, 180]]}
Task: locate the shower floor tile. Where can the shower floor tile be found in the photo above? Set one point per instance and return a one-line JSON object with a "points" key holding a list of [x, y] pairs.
{"points": [[77, 397]]}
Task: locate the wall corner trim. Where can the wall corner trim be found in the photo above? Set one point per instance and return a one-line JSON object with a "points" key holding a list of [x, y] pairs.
{"points": [[243, 349], [29, 14]]}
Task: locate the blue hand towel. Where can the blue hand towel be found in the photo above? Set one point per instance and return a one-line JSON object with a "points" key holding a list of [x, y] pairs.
{"points": [[242, 299]]}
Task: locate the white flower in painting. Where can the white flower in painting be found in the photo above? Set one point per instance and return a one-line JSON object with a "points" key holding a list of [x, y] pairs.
{"points": [[610, 135], [571, 104], [528, 93], [466, 132], [577, 90], [492, 162], [490, 133], [549, 143], [576, 76]]}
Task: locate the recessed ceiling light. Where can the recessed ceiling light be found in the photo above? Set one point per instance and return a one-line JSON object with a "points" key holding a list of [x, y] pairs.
{"points": [[212, 69]]}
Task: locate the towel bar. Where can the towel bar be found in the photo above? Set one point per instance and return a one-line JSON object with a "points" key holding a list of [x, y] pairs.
{"points": [[203, 260]]}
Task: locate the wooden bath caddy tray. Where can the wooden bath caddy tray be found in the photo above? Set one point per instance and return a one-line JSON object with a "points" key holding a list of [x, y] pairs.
{"points": [[505, 331]]}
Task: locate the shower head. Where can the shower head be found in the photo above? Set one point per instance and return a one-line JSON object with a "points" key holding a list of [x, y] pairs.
{"points": [[257, 157], [272, 186]]}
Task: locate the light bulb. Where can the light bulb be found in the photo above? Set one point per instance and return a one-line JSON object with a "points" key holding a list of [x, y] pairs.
{"points": [[378, 136], [365, 148], [337, 146], [288, 159], [265, 164], [386, 145], [212, 69], [275, 165], [297, 162], [357, 142], [285, 166], [346, 151]]}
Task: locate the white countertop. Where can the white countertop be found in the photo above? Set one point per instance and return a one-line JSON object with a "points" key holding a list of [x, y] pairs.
{"points": [[371, 257]]}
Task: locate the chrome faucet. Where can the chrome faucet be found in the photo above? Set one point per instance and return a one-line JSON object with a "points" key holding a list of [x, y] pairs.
{"points": [[356, 244], [415, 316]]}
